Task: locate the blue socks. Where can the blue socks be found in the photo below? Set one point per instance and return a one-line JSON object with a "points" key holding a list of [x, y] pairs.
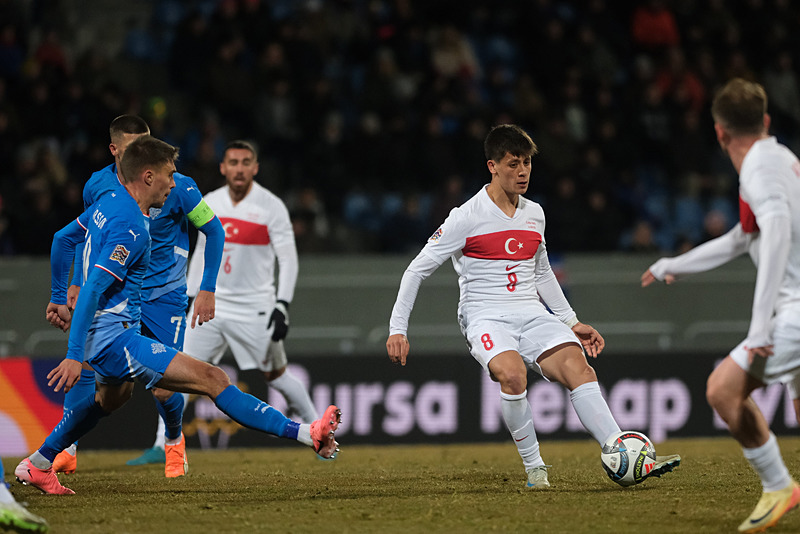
{"points": [[171, 412], [82, 389], [80, 419], [250, 412]]}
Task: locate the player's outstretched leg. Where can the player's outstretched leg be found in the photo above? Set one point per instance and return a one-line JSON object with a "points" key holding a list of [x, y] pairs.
{"points": [[253, 413]]}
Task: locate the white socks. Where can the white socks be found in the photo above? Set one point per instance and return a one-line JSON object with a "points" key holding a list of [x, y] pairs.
{"points": [[40, 461], [296, 396], [519, 420], [304, 435], [593, 411], [767, 462]]}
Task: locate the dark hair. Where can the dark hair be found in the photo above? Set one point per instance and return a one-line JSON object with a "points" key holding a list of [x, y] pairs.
{"points": [[508, 138], [128, 124], [146, 152], [241, 143], [740, 106]]}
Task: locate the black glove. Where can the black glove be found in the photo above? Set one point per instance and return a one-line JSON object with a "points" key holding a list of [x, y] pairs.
{"points": [[279, 318]]}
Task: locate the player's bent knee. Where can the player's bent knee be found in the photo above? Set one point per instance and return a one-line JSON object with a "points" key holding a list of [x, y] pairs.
{"points": [[111, 398], [272, 375], [161, 395]]}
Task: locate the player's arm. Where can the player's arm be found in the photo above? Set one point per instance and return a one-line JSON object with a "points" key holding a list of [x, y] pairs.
{"points": [[418, 270], [288, 268], [553, 296], [69, 370], [773, 256], [61, 256], [203, 218], [705, 257]]}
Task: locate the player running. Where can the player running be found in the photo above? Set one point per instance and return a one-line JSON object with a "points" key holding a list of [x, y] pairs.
{"points": [[104, 330], [164, 299], [497, 245]]}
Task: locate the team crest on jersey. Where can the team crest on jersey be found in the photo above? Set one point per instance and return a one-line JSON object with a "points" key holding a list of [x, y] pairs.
{"points": [[436, 235], [158, 348], [155, 212], [120, 254]]}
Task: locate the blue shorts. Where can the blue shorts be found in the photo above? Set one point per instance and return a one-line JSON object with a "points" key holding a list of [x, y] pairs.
{"points": [[132, 356], [164, 318]]}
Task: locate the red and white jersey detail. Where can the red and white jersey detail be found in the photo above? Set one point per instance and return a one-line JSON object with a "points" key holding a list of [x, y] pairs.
{"points": [[244, 232], [512, 245], [747, 217], [494, 255], [257, 232]]}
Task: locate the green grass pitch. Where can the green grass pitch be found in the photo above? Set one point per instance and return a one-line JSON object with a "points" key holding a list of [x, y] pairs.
{"points": [[406, 489]]}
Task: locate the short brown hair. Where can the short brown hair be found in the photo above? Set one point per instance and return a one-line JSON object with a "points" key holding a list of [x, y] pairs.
{"points": [[508, 138], [146, 152], [127, 124], [739, 106]]}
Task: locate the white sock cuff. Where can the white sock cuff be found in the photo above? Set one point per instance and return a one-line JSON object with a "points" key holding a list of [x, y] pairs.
{"points": [[508, 397], [757, 451], [589, 388]]}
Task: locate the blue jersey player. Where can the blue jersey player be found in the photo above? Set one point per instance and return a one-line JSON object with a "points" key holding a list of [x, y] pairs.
{"points": [[104, 326], [164, 299]]}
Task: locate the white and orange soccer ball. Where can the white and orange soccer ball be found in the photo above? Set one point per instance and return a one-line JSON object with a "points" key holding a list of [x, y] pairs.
{"points": [[628, 457]]}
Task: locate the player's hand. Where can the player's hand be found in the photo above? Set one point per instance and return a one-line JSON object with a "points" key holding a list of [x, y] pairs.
{"points": [[204, 307], [72, 296], [648, 278], [65, 375], [58, 315], [593, 343], [397, 346], [761, 352], [279, 318]]}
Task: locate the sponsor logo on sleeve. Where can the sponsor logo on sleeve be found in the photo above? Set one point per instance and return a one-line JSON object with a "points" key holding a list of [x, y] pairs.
{"points": [[120, 254]]}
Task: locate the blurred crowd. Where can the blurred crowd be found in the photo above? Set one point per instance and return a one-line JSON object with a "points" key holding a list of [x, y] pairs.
{"points": [[370, 114]]}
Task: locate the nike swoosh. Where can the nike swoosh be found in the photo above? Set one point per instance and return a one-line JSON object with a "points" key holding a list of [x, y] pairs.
{"points": [[520, 439], [509, 267], [758, 520]]}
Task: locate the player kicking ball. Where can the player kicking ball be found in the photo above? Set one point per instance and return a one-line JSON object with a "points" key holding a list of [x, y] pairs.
{"points": [[497, 245], [105, 325]]}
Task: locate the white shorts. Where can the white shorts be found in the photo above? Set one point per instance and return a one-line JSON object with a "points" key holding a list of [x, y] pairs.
{"points": [[529, 335], [784, 365], [250, 342]]}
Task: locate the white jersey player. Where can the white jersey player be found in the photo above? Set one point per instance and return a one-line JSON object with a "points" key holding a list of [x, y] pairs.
{"points": [[769, 184], [252, 316], [497, 245]]}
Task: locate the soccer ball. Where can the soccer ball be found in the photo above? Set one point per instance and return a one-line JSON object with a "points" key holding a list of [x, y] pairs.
{"points": [[628, 457]]}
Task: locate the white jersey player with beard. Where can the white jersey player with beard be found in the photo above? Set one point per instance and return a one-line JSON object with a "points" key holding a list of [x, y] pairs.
{"points": [[251, 313], [497, 244]]}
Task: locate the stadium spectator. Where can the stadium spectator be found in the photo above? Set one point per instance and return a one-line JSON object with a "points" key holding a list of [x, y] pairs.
{"points": [[594, 63]]}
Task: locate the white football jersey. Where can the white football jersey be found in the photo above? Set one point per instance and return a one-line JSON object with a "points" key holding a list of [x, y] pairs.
{"points": [[257, 231], [769, 181], [494, 255]]}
